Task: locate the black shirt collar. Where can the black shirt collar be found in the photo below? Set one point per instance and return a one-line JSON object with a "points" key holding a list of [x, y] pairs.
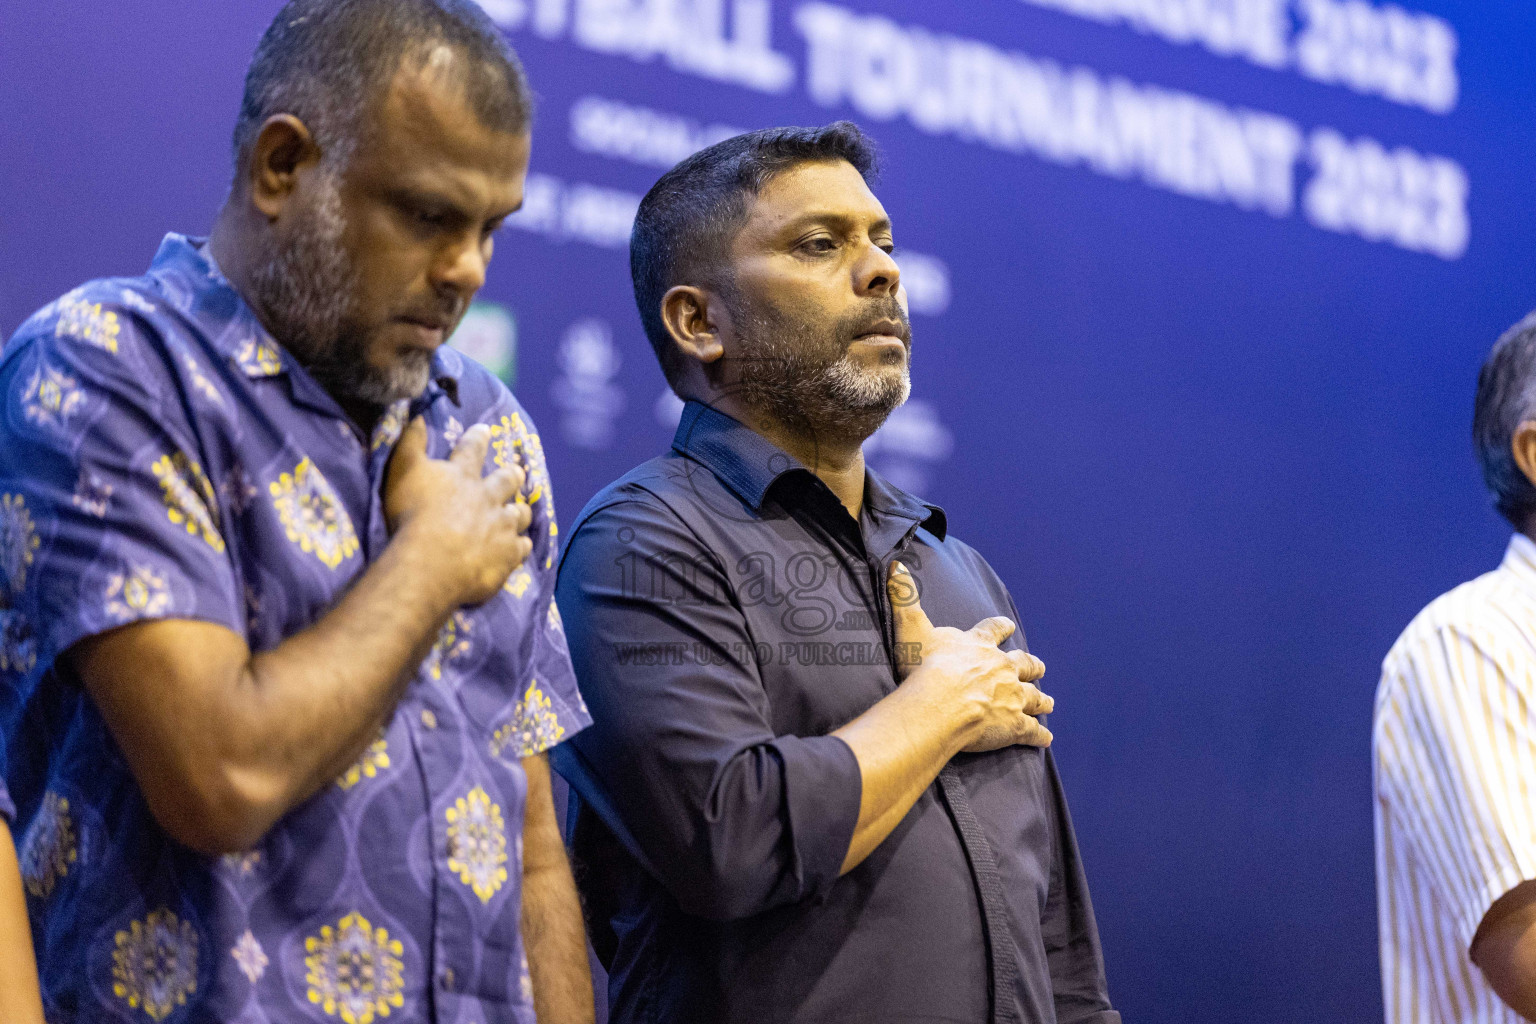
{"points": [[751, 465]]}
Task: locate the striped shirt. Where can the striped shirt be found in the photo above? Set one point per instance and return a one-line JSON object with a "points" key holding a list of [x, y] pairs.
{"points": [[1455, 763]]}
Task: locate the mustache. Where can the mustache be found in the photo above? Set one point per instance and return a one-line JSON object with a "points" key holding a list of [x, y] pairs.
{"points": [[445, 313], [878, 315]]}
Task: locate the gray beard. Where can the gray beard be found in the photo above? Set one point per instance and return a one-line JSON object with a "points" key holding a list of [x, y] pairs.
{"points": [[304, 290], [798, 370]]}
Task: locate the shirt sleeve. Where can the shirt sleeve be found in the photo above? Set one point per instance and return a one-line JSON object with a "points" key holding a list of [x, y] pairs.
{"points": [[106, 515], [681, 762], [1454, 728]]}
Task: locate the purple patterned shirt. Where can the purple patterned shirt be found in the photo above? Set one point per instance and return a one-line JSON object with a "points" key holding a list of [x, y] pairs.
{"points": [[162, 457]]}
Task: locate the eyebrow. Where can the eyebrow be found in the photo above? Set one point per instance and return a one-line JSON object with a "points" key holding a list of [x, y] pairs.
{"points": [[844, 220], [419, 197]]}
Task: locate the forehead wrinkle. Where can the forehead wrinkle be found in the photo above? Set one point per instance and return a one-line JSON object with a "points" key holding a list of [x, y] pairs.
{"points": [[428, 138], [806, 184], [414, 103], [427, 92]]}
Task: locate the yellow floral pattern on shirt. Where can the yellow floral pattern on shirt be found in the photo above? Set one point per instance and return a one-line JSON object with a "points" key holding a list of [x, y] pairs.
{"points": [[512, 441], [390, 426], [18, 544], [49, 847], [373, 760], [51, 397], [452, 643], [87, 322], [518, 582], [313, 516], [259, 358], [533, 728], [188, 496], [154, 967], [140, 593], [354, 970], [477, 843]]}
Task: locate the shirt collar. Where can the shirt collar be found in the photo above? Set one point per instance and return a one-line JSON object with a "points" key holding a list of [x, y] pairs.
{"points": [[882, 496], [197, 286], [193, 283], [750, 465]]}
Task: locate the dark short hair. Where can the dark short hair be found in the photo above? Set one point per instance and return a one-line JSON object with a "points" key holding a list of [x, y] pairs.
{"points": [[1506, 397], [327, 62], [688, 219]]}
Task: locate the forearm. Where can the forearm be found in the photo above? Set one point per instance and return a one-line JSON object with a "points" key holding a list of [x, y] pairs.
{"points": [[553, 936], [222, 743], [1510, 967], [313, 703], [20, 1001], [901, 744], [557, 947], [1504, 948]]}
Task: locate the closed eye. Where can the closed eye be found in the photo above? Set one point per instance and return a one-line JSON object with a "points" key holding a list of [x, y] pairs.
{"points": [[429, 214]]}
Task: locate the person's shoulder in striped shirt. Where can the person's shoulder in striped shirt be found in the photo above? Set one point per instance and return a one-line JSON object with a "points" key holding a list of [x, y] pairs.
{"points": [[1454, 744]]}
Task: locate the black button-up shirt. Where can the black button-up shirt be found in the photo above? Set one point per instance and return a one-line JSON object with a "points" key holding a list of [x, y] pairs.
{"points": [[725, 614]]}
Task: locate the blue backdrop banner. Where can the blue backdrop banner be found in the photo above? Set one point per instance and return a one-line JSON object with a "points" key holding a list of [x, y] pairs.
{"points": [[1199, 291]]}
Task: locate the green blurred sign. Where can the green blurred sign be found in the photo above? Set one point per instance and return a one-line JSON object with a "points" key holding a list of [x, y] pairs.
{"points": [[488, 335]]}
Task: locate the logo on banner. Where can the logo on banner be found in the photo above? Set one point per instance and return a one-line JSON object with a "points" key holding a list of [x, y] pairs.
{"points": [[584, 391]]}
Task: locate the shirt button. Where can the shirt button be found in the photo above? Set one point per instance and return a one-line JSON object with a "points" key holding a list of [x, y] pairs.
{"points": [[429, 720], [447, 978]]}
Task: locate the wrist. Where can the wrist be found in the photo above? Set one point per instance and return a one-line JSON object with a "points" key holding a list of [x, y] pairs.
{"points": [[968, 725], [423, 564], [960, 721]]}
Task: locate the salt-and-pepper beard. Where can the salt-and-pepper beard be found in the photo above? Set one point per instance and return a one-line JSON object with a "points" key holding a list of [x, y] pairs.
{"points": [[797, 368], [305, 290]]}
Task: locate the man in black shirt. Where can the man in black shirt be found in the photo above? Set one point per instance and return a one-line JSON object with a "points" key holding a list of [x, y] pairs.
{"points": [[802, 800]]}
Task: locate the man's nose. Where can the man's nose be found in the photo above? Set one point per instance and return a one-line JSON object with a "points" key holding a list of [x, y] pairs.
{"points": [[877, 273], [462, 266]]}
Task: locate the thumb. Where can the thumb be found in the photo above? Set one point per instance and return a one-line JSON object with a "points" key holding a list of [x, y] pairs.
{"points": [[912, 625], [410, 449], [469, 453]]}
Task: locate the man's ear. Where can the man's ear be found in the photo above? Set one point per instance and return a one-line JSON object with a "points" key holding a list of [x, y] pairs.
{"points": [[694, 318], [283, 147], [1523, 448]]}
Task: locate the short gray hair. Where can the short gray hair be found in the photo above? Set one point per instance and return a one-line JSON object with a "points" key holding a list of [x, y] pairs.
{"points": [[327, 62], [1506, 397]]}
